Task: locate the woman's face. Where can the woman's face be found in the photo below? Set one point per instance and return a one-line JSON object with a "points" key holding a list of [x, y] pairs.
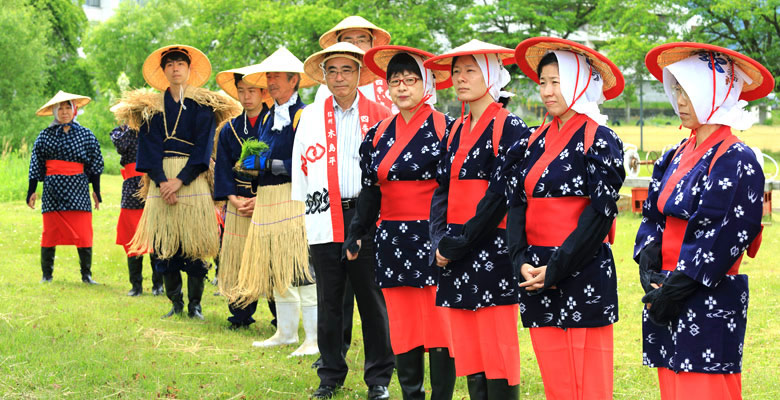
{"points": [[468, 80], [550, 90], [406, 90], [65, 113], [685, 108]]}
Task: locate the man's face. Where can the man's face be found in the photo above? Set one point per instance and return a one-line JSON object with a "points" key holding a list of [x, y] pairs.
{"points": [[357, 37], [342, 76], [280, 86], [177, 72], [251, 97]]}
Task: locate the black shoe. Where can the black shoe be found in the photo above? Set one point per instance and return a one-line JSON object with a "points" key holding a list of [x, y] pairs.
{"points": [[134, 267], [234, 326], [134, 292], [158, 291], [88, 280], [324, 392], [174, 311], [194, 294], [47, 263], [317, 364], [378, 392], [85, 262], [173, 283], [46, 279]]}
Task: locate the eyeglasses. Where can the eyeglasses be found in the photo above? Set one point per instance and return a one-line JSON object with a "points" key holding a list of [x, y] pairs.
{"points": [[678, 90], [408, 81], [346, 73]]}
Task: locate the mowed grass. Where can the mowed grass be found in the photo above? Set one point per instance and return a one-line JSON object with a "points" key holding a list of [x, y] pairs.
{"points": [[65, 340]]}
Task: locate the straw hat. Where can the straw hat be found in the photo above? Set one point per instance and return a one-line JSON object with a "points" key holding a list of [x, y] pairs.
{"points": [[531, 51], [313, 64], [377, 59], [666, 54], [200, 67], [282, 60], [380, 36], [443, 62], [78, 100], [226, 80]]}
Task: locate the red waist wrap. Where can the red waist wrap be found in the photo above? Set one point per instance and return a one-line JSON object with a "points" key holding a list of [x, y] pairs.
{"points": [[128, 171], [550, 220], [59, 167], [674, 233], [406, 200], [462, 200]]}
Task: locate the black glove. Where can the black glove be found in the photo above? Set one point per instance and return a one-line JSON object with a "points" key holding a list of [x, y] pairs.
{"points": [[95, 181], [490, 211], [650, 266], [369, 202], [31, 188], [668, 301]]}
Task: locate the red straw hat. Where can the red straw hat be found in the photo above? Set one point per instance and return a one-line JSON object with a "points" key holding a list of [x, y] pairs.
{"points": [[667, 54], [531, 51], [377, 59]]}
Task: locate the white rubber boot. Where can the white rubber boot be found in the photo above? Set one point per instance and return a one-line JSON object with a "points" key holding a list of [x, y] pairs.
{"points": [[287, 317], [309, 312]]}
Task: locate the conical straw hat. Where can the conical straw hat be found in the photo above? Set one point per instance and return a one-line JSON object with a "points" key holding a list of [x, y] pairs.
{"points": [[443, 62], [282, 60], [313, 67], [379, 57], [200, 67], [331, 37], [78, 100], [226, 81]]}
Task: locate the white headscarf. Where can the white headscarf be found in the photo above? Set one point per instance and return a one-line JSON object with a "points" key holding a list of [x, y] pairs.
{"points": [[695, 75], [496, 76], [282, 113], [576, 73], [56, 108], [428, 80]]}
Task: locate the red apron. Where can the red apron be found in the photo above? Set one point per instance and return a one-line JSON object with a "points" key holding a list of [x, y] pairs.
{"points": [[66, 227]]}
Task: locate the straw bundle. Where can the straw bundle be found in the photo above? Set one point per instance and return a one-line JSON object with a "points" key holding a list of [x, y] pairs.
{"points": [[276, 254], [190, 225], [233, 240]]}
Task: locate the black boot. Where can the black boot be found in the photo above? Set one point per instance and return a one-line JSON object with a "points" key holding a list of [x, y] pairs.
{"points": [[172, 281], [442, 373], [47, 263], [500, 389], [477, 384], [194, 294], [85, 261], [157, 277], [410, 367], [135, 267]]}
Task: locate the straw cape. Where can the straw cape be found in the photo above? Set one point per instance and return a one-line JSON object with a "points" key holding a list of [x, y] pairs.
{"points": [[380, 36], [315, 63], [276, 253], [282, 60], [666, 54], [227, 82], [78, 100], [377, 59], [200, 67], [530, 52], [233, 243]]}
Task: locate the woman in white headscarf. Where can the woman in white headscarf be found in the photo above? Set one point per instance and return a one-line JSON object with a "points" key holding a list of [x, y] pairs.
{"points": [[564, 181], [467, 222], [703, 211], [398, 159]]}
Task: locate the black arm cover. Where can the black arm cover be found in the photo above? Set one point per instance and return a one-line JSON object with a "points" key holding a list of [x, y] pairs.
{"points": [[490, 211], [579, 248], [31, 188], [650, 266], [668, 301], [367, 212], [516, 239], [95, 181], [437, 223]]}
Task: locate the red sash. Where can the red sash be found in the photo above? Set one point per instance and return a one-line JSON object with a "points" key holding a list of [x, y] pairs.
{"points": [[465, 194], [128, 171], [672, 241], [369, 115], [382, 94], [550, 220], [59, 167]]}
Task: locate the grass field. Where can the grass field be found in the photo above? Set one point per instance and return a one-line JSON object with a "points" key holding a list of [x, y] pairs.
{"points": [[65, 340]]}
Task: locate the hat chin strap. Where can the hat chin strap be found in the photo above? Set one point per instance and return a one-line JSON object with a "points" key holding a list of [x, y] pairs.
{"points": [[576, 97]]}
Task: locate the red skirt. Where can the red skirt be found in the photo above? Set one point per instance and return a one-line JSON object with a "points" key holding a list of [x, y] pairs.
{"points": [[126, 226], [61, 228], [696, 385], [576, 363], [415, 320], [486, 341]]}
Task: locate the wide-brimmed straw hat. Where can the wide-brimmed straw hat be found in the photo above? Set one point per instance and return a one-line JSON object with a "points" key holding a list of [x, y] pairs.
{"points": [[313, 64], [379, 36], [226, 80], [377, 59], [530, 52], [282, 60], [78, 101], [667, 54], [443, 62], [200, 67]]}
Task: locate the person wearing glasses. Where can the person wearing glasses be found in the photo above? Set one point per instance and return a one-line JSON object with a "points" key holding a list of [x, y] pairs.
{"points": [[326, 175], [398, 158], [702, 214]]}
